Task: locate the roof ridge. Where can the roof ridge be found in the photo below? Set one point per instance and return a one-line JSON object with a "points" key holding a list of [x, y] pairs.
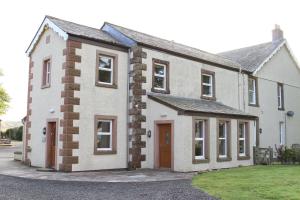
{"points": [[256, 45], [48, 16], [171, 41]]}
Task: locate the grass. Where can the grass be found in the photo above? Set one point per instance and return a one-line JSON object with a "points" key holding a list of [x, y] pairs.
{"points": [[255, 182]]}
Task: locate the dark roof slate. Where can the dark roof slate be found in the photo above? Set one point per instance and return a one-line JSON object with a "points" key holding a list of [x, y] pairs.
{"points": [[250, 58], [172, 46], [197, 105], [82, 31]]}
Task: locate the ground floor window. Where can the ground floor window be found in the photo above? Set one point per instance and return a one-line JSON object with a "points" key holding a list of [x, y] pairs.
{"points": [[282, 133], [105, 134], [243, 139], [200, 140], [223, 138]]}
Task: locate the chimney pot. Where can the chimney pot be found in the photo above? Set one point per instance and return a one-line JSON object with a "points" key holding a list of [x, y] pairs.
{"points": [[277, 33]]}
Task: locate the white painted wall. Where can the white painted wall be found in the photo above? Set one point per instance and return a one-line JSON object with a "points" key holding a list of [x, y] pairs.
{"points": [[45, 99], [280, 68], [100, 101]]}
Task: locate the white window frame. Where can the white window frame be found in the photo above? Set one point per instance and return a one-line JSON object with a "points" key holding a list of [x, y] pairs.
{"points": [[106, 133], [48, 72], [111, 70], [281, 133], [161, 76], [210, 85], [201, 139], [242, 138], [253, 91], [280, 96], [223, 138]]}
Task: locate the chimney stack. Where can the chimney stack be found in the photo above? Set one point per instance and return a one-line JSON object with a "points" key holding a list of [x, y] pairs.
{"points": [[277, 34]]}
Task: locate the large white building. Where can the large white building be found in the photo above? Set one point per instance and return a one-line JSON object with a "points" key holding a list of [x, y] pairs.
{"points": [[114, 98]]}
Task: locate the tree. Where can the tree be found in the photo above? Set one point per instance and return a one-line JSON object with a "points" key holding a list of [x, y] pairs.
{"points": [[4, 98]]}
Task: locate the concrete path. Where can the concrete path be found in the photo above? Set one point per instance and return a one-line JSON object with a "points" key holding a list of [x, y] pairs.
{"points": [[15, 168]]}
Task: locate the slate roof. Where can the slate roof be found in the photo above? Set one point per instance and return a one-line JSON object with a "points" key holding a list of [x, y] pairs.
{"points": [[82, 31], [250, 58], [197, 105], [153, 41]]}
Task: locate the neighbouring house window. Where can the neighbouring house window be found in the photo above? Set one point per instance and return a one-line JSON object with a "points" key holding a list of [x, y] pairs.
{"points": [[46, 73], [223, 140], [280, 97], [208, 84], [105, 128], [252, 90], [160, 76], [106, 68], [282, 133]]}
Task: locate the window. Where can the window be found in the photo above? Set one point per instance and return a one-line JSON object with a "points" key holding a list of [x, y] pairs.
{"points": [[280, 96], [46, 73], [105, 134], [252, 89], [282, 133], [223, 141], [208, 84], [106, 69], [160, 76], [200, 141]]}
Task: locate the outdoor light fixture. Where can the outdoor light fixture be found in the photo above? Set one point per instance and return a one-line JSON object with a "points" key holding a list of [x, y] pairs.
{"points": [[44, 131], [149, 133]]}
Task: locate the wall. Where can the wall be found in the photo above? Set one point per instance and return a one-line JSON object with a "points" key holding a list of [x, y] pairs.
{"points": [[183, 140], [96, 100], [45, 99], [281, 68]]}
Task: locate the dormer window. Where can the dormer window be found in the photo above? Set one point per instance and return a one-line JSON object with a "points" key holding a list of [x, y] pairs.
{"points": [[160, 76], [208, 85]]}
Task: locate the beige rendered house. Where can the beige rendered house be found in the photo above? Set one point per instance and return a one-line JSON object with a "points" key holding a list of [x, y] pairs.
{"points": [[114, 98]]}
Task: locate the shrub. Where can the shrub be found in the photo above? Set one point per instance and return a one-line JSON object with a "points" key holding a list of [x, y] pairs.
{"points": [[286, 155]]}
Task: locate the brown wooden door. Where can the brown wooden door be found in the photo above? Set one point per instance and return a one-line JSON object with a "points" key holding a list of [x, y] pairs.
{"points": [[165, 145], [51, 144]]}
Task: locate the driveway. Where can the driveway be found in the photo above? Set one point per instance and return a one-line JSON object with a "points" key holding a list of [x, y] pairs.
{"points": [[12, 188]]}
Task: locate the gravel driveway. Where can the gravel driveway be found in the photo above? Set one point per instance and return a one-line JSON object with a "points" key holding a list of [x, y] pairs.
{"points": [[19, 188]]}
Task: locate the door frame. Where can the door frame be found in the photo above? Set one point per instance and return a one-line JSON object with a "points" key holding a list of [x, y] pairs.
{"points": [[47, 141], [156, 142]]}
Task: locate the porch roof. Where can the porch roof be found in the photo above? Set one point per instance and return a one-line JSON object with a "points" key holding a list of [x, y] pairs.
{"points": [[197, 107]]}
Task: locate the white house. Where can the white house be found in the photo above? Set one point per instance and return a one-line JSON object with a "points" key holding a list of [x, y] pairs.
{"points": [[114, 98]]}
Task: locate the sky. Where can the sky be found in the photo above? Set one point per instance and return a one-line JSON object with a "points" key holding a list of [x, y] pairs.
{"points": [[213, 26]]}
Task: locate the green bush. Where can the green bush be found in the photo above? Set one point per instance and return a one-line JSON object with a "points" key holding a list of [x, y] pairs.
{"points": [[287, 155]]}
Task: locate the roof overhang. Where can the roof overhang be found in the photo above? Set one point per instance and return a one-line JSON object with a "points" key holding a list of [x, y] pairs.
{"points": [[47, 23]]}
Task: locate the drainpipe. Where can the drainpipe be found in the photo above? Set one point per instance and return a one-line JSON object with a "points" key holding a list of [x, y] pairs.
{"points": [[239, 95], [127, 107]]}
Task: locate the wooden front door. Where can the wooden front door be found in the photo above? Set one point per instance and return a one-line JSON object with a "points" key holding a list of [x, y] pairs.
{"points": [[51, 144], [165, 141]]}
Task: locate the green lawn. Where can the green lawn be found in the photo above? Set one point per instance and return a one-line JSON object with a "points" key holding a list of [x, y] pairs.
{"points": [[255, 182]]}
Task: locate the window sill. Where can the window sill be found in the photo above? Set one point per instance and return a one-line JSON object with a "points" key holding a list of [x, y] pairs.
{"points": [[45, 86], [105, 152], [223, 159], [114, 86], [160, 91], [243, 157], [208, 98], [199, 161]]}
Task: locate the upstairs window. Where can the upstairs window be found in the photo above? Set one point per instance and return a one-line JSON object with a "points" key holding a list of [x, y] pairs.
{"points": [[208, 85], [106, 69], [46, 78], [280, 98], [252, 91], [160, 76]]}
